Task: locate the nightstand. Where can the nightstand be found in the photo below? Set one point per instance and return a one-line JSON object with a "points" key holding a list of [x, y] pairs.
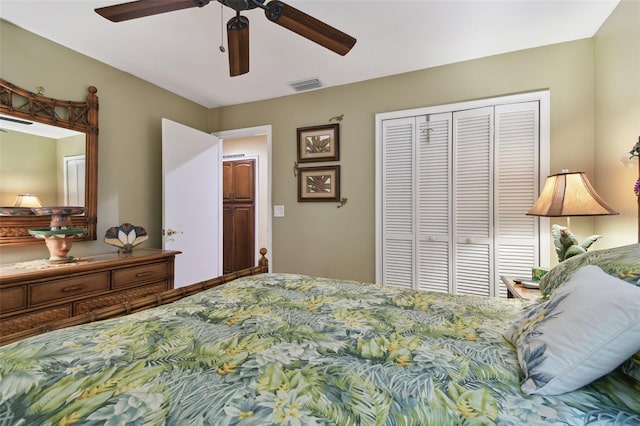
{"points": [[517, 291]]}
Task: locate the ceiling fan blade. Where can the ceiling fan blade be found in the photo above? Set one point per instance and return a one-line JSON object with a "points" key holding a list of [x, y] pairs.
{"points": [[238, 41], [309, 27], [141, 8]]}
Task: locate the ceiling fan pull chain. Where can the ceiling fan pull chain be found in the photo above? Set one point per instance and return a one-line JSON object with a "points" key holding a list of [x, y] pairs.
{"points": [[222, 49]]}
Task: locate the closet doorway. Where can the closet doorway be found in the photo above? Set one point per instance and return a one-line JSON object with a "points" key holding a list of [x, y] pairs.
{"points": [[252, 143]]}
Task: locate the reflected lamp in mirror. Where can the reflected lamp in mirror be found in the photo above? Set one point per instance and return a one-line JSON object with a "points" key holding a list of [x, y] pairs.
{"points": [[27, 200], [569, 194]]}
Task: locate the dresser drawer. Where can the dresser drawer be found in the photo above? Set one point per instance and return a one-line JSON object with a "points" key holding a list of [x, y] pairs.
{"points": [[34, 294], [12, 299], [68, 288], [34, 319], [129, 277], [118, 298]]}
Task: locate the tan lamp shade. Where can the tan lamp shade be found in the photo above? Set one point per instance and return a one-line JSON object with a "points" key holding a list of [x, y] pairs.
{"points": [[569, 194], [27, 200]]}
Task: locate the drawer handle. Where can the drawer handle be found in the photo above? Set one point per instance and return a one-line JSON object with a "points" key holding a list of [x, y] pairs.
{"points": [[144, 274], [73, 288]]}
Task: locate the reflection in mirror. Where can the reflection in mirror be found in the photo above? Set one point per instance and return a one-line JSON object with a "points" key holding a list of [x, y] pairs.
{"points": [[59, 166], [41, 160]]}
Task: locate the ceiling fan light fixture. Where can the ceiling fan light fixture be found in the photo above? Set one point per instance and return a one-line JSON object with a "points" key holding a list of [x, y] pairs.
{"points": [[238, 43], [239, 5]]}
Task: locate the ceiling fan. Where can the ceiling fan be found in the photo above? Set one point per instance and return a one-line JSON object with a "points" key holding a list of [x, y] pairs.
{"points": [[238, 27]]}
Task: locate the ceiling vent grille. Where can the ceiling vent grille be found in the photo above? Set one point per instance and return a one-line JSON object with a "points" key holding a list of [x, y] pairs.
{"points": [[307, 84]]}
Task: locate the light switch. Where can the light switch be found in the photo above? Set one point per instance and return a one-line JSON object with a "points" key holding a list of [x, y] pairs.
{"points": [[278, 211]]}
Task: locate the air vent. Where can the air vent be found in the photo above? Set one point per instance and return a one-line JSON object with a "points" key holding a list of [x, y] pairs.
{"points": [[307, 84], [15, 120]]}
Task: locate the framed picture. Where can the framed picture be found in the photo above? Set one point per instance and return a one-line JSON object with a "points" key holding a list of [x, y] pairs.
{"points": [[319, 183], [319, 143]]}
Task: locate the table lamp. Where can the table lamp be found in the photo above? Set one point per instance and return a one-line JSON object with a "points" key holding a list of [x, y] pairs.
{"points": [[569, 194], [27, 200]]}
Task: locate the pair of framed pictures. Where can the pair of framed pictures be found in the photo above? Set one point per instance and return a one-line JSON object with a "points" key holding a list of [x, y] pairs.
{"points": [[316, 144]]}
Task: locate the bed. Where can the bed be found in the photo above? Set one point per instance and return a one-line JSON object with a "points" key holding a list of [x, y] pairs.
{"points": [[289, 349]]}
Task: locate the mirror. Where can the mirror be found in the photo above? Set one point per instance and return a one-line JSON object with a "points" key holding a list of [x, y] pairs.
{"points": [[41, 160], [59, 165]]}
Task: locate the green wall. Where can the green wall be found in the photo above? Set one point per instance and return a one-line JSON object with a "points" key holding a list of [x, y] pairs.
{"points": [[318, 238], [617, 109], [129, 168], [28, 164]]}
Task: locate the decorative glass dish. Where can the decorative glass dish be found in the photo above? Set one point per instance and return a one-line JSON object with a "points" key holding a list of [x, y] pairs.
{"points": [[125, 237]]}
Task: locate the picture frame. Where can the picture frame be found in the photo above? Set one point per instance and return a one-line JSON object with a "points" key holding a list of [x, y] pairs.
{"points": [[320, 183], [319, 143]]}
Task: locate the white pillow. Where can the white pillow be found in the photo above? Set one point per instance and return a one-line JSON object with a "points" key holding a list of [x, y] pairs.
{"points": [[590, 325]]}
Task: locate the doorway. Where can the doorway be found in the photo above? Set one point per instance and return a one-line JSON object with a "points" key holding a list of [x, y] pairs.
{"points": [[254, 143]]}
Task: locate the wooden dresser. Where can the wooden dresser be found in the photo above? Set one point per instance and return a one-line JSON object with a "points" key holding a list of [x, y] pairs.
{"points": [[35, 293]]}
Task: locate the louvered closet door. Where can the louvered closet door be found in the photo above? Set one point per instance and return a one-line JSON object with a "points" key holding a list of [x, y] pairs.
{"points": [[517, 148], [472, 259], [433, 202], [398, 202], [455, 186]]}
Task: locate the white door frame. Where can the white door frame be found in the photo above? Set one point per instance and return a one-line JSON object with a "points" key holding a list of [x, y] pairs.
{"points": [[265, 130]]}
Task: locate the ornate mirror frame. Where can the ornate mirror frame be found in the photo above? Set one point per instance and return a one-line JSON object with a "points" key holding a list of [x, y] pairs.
{"points": [[78, 116]]}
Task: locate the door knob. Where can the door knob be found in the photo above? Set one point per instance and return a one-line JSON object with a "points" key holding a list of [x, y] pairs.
{"points": [[170, 232]]}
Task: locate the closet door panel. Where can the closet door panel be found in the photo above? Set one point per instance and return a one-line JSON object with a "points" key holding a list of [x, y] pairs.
{"points": [[433, 202], [227, 181], [398, 267], [472, 200], [243, 249], [517, 150], [244, 179], [433, 266], [398, 177], [471, 269]]}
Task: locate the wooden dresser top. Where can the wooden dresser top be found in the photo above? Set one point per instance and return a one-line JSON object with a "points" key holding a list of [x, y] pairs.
{"points": [[20, 271]]}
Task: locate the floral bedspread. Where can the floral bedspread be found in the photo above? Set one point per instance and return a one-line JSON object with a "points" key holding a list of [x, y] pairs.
{"points": [[295, 350]]}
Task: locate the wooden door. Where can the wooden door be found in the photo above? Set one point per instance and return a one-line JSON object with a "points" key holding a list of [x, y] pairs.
{"points": [[238, 215]]}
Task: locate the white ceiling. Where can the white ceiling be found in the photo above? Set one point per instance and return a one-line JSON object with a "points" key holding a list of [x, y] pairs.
{"points": [[179, 50]]}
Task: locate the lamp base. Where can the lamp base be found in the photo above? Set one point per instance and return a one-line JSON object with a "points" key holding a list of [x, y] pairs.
{"points": [[567, 244], [58, 242]]}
